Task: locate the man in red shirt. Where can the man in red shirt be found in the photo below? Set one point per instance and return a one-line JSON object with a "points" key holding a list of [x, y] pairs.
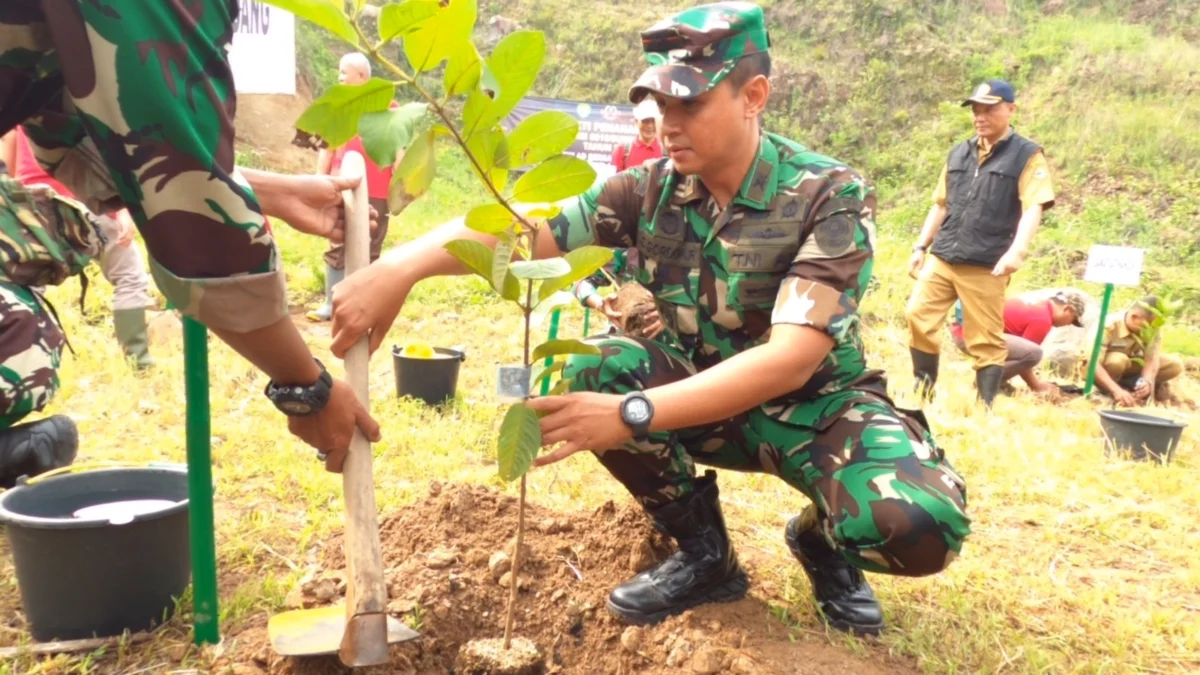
{"points": [[1026, 325], [354, 69], [647, 145]]}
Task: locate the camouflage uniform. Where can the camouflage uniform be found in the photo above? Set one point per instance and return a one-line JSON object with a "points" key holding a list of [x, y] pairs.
{"points": [[132, 104], [795, 246]]}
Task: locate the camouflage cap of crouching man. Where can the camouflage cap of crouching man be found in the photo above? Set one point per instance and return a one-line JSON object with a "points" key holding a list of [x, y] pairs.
{"points": [[691, 52]]}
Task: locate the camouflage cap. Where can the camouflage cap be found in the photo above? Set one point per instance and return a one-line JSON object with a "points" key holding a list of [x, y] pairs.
{"points": [[1075, 302], [691, 52]]}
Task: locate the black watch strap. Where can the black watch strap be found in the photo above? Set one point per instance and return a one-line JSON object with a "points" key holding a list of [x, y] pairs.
{"points": [[637, 412], [302, 400]]}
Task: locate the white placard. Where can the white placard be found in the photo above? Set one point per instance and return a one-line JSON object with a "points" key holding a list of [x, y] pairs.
{"points": [[1119, 265], [263, 51]]}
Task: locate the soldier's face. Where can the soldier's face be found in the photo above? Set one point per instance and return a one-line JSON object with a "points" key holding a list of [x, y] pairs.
{"points": [[1134, 321], [705, 134]]}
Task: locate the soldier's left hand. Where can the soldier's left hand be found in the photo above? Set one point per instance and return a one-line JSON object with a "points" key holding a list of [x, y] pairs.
{"points": [[1010, 263], [580, 421], [317, 206]]}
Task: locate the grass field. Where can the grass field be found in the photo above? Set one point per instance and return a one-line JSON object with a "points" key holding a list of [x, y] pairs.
{"points": [[1077, 564]]}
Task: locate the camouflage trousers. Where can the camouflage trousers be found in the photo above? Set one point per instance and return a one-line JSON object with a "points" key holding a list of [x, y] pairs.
{"points": [[883, 493], [31, 343]]}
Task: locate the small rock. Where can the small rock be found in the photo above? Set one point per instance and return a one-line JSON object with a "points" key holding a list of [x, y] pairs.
{"points": [[708, 660], [435, 488], [499, 564], [477, 557], [574, 609], [324, 590], [441, 559], [679, 655], [641, 557], [294, 598], [558, 595], [505, 579], [743, 665], [511, 548], [456, 583], [631, 639], [548, 526], [400, 606]]}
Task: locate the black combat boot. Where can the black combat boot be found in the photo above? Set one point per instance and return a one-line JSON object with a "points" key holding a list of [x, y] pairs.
{"points": [[704, 569], [987, 381], [36, 447], [840, 589], [925, 370]]}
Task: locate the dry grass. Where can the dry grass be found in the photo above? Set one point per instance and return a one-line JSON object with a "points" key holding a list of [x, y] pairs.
{"points": [[1076, 564]]}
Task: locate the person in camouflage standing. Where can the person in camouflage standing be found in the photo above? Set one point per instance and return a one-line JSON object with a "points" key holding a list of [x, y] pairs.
{"points": [[757, 251], [131, 104]]}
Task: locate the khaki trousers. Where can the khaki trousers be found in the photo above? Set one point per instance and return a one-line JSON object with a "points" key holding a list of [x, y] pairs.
{"points": [[982, 295], [1126, 372]]}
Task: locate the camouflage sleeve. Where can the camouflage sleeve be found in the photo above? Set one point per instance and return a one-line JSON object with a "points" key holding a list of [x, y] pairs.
{"points": [[605, 215], [146, 120], [833, 266]]}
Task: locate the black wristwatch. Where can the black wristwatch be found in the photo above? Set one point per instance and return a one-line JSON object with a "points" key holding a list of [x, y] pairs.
{"points": [[919, 247], [636, 413], [301, 401]]}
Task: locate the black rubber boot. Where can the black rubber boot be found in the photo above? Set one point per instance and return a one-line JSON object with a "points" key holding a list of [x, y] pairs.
{"points": [[36, 447], [840, 589], [987, 381], [704, 569], [925, 370]]}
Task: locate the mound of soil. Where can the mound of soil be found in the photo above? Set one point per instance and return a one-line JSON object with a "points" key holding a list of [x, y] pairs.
{"points": [[448, 562], [635, 304]]}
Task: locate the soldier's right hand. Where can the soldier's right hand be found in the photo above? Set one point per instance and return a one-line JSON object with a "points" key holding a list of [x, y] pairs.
{"points": [[915, 263], [1125, 398], [366, 303]]}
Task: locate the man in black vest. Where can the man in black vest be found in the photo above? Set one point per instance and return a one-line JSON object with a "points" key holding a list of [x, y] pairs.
{"points": [[988, 204]]}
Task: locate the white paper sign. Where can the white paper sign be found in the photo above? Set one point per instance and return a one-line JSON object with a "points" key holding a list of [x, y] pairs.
{"points": [[263, 51], [1119, 265]]}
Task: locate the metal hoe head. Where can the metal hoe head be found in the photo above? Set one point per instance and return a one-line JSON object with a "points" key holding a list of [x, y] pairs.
{"points": [[324, 630]]}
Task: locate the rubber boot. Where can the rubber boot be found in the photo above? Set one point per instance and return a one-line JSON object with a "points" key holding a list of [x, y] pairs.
{"points": [[333, 277], [130, 325], [840, 589], [36, 447], [704, 569], [925, 371], [987, 381]]}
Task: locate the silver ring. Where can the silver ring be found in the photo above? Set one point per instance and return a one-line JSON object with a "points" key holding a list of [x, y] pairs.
{"points": [[321, 456]]}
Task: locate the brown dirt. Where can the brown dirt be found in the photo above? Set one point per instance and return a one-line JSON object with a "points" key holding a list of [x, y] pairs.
{"points": [[446, 569], [265, 127], [634, 303]]}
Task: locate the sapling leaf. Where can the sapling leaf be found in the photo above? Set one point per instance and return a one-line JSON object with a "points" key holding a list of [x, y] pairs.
{"points": [[558, 347], [519, 442]]}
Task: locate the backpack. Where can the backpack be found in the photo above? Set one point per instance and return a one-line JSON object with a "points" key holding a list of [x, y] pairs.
{"points": [[45, 237]]}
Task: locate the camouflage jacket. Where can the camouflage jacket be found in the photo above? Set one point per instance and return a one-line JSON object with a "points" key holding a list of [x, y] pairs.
{"points": [[794, 246]]}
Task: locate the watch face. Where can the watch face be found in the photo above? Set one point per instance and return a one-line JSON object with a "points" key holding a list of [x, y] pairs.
{"points": [[295, 407], [637, 411]]}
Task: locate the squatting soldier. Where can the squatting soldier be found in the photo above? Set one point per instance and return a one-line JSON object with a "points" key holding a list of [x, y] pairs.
{"points": [[987, 207], [757, 251], [130, 104], [1132, 369]]}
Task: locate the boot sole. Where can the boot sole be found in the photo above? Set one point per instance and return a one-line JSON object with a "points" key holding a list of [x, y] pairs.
{"points": [[731, 591], [853, 628]]}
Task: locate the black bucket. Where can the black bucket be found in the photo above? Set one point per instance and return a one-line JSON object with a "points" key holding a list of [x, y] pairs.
{"points": [[99, 575], [1140, 436], [433, 381]]}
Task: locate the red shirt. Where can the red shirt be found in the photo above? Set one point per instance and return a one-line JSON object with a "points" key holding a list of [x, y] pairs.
{"points": [[28, 171], [1030, 320], [378, 179], [639, 152]]}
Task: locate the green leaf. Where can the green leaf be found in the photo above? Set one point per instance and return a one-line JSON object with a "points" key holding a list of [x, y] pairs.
{"points": [[385, 133], [559, 347], [501, 256], [473, 255], [463, 69], [562, 387], [327, 14], [441, 35], [401, 18], [485, 147], [540, 136], [414, 174], [584, 262], [541, 372], [514, 63], [489, 218], [473, 111], [512, 288], [540, 269], [546, 305], [334, 115], [520, 441], [559, 177]]}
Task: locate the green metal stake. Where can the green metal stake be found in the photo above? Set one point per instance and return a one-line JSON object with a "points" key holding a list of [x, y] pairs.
{"points": [[587, 315], [550, 359], [1091, 375], [200, 490]]}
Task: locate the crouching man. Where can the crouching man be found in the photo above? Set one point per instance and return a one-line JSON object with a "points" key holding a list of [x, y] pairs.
{"points": [[757, 252]]}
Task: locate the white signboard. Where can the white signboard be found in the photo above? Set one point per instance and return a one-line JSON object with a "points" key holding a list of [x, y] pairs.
{"points": [[263, 52], [1117, 265]]}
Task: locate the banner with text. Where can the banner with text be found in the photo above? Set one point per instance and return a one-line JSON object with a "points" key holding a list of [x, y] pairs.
{"points": [[263, 52], [602, 128]]}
